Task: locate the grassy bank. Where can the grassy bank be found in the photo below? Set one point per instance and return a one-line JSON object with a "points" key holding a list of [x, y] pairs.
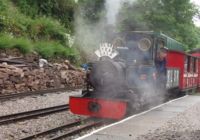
{"points": [[40, 33]]}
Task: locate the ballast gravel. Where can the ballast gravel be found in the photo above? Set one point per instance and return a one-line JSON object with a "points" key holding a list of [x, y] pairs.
{"points": [[185, 126], [21, 129], [29, 127], [36, 102]]}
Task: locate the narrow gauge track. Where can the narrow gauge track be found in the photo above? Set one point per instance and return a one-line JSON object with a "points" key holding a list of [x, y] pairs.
{"points": [[32, 114], [24, 94], [67, 130]]}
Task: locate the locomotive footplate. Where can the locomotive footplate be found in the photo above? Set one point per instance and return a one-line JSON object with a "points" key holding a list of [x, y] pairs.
{"points": [[97, 107]]}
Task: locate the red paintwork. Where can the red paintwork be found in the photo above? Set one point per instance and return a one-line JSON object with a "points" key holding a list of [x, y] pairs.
{"points": [[187, 79], [112, 109], [176, 60], [196, 54], [198, 73]]}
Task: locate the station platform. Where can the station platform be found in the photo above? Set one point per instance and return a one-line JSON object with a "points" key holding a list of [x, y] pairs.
{"points": [[145, 122]]}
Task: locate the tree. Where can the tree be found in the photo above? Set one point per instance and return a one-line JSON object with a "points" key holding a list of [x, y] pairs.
{"points": [[172, 17], [91, 9]]}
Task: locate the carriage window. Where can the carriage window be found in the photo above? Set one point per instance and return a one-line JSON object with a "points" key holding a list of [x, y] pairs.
{"points": [[188, 63], [191, 64], [194, 65]]}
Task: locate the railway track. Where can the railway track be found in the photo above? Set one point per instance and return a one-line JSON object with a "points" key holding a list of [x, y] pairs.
{"points": [[24, 94], [32, 114], [66, 130]]}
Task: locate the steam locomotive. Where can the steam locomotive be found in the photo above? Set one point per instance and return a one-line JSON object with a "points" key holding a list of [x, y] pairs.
{"points": [[129, 76]]}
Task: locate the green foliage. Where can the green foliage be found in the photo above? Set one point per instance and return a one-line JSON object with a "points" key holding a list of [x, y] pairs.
{"points": [[47, 49], [29, 25], [46, 28], [13, 22], [27, 7], [4, 20], [47, 22], [55, 49], [40, 28], [129, 21], [172, 17], [63, 10], [22, 44], [2, 5], [91, 10], [5, 41]]}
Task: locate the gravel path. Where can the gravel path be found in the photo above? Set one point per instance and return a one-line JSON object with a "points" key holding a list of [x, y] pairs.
{"points": [[35, 102], [185, 126]]}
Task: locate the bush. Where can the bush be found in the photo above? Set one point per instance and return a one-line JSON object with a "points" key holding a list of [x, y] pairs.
{"points": [[46, 28], [55, 49], [19, 24], [45, 49], [5, 41], [63, 10], [3, 5], [22, 44], [27, 7], [35, 25]]}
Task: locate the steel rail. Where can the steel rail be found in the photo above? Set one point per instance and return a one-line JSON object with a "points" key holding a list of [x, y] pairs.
{"points": [[49, 131], [78, 130], [24, 94], [31, 114]]}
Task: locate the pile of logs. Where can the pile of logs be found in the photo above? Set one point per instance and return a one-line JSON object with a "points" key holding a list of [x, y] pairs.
{"points": [[15, 79]]}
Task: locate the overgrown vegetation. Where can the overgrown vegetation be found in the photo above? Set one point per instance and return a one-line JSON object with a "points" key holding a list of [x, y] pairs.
{"points": [[45, 49], [31, 26], [63, 10], [55, 49], [8, 42], [45, 25]]}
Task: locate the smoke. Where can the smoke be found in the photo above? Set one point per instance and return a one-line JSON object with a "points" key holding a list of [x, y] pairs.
{"points": [[112, 9], [89, 34]]}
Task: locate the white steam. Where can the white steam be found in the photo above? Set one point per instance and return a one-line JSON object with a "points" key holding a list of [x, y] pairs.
{"points": [[112, 9], [90, 34]]}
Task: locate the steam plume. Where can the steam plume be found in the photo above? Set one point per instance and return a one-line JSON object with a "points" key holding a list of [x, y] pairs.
{"points": [[90, 34], [112, 9]]}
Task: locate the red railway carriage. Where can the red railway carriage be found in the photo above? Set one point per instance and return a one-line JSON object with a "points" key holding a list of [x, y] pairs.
{"points": [[183, 70], [117, 82], [196, 56]]}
